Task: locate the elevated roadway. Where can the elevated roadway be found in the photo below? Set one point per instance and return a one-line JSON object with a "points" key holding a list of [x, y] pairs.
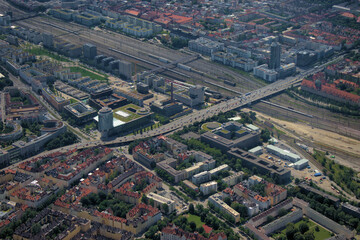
{"points": [[232, 104]]}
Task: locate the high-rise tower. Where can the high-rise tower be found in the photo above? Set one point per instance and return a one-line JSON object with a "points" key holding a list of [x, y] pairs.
{"points": [[275, 52]]}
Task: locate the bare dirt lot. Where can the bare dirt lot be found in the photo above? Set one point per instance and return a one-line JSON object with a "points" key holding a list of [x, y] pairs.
{"points": [[335, 141]]}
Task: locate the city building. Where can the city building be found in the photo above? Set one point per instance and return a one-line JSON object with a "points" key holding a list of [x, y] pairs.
{"points": [[205, 46], [208, 188], [216, 171], [89, 51], [159, 202], [52, 220], [201, 177], [230, 135], [167, 107], [25, 148], [125, 69], [57, 102], [275, 193], [169, 166], [112, 101], [301, 164], [191, 185], [284, 154], [123, 119], [80, 112], [306, 189], [192, 96], [256, 150], [48, 40], [28, 109], [34, 194], [275, 54], [350, 209], [280, 174], [172, 232], [263, 72], [233, 179], [105, 116], [217, 201]]}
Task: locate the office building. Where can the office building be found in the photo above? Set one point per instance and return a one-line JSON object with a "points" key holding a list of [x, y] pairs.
{"points": [[48, 40], [301, 164], [284, 154], [264, 72], [80, 112], [105, 120], [205, 46], [275, 54], [89, 51], [125, 69], [57, 102], [223, 139], [280, 174]]}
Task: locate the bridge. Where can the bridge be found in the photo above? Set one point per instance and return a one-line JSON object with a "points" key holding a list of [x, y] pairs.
{"points": [[24, 17], [171, 64], [232, 104]]}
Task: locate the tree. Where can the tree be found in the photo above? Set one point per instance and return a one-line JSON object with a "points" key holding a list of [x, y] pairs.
{"points": [[303, 227], [298, 236], [150, 234], [309, 235], [144, 199], [227, 200], [282, 212], [191, 208], [290, 231], [317, 228], [297, 181], [270, 218], [193, 226], [36, 228], [165, 207], [281, 237]]}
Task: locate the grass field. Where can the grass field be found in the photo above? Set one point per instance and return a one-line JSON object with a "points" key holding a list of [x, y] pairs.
{"points": [[86, 73], [322, 234], [125, 108], [43, 52], [206, 128], [72, 100], [195, 219]]}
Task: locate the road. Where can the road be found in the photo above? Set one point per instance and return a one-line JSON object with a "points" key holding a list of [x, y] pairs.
{"points": [[198, 116]]}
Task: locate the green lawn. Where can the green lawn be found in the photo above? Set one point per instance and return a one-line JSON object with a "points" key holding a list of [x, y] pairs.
{"points": [[195, 219], [72, 100], [87, 73], [205, 125], [125, 108], [322, 234], [41, 51]]}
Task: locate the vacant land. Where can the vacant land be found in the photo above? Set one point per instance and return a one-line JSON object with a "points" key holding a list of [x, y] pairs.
{"points": [[87, 73], [43, 52]]}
